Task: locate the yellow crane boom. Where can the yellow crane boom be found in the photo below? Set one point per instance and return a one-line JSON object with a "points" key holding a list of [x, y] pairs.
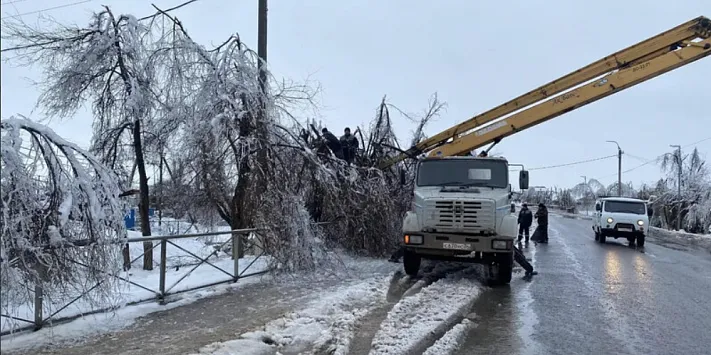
{"points": [[645, 60]]}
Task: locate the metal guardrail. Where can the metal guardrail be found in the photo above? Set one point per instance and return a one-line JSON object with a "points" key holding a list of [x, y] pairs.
{"points": [[162, 292]]}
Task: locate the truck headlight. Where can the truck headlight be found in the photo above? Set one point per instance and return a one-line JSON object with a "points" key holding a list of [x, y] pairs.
{"points": [[609, 220], [640, 222], [413, 239], [500, 244]]}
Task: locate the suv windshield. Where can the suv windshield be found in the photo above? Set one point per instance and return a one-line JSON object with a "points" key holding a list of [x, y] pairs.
{"points": [[463, 172], [625, 207]]}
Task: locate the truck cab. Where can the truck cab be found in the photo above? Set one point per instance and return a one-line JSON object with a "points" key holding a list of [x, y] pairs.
{"points": [[461, 211], [621, 217]]}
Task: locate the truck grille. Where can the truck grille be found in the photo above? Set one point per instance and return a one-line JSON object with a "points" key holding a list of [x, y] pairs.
{"points": [[461, 215]]}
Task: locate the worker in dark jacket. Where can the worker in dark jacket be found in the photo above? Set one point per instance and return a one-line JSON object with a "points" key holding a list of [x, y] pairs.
{"points": [[541, 232], [333, 143], [349, 143], [525, 219]]}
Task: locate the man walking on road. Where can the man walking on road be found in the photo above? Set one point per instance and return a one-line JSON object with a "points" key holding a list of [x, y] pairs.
{"points": [[525, 219]]}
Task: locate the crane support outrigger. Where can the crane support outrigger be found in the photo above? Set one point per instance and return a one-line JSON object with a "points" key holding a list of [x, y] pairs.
{"points": [[461, 202]]}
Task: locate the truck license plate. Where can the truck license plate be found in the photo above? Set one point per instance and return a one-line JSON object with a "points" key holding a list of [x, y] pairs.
{"points": [[457, 246], [623, 229]]}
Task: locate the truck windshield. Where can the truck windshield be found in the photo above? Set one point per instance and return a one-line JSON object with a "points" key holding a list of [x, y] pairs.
{"points": [[463, 172], [625, 207]]}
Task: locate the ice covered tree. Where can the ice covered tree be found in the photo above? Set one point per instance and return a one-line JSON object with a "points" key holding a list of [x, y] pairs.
{"points": [[108, 63], [693, 206], [61, 219]]}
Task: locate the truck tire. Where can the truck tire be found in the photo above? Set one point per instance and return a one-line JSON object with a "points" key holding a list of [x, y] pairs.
{"points": [[503, 276], [411, 261], [640, 241]]}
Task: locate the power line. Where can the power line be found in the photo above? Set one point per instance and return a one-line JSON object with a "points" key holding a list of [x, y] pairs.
{"points": [[10, 49], [636, 157], [12, 2], [167, 10], [574, 163], [45, 9], [656, 158], [662, 155]]}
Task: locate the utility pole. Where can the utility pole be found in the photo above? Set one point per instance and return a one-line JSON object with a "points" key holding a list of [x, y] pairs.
{"points": [[585, 200], [262, 44], [678, 184], [619, 168]]}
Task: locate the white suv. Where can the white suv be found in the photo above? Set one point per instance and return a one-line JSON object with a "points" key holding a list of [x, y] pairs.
{"points": [[621, 217]]}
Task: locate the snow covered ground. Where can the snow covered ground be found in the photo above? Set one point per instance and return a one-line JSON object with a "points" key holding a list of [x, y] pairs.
{"points": [[327, 325], [319, 321], [179, 263], [435, 309]]}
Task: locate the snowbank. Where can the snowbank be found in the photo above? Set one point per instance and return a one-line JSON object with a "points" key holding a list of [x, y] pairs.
{"points": [[415, 318], [702, 241], [327, 322]]}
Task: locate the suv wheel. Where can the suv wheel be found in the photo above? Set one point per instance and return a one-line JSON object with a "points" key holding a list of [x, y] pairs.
{"points": [[411, 261], [640, 240], [602, 237]]}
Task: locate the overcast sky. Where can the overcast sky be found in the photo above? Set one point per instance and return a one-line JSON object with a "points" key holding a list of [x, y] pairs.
{"points": [[474, 54]]}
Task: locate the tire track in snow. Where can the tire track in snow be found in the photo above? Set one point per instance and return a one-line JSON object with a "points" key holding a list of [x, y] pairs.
{"points": [[451, 340], [412, 322], [400, 287]]}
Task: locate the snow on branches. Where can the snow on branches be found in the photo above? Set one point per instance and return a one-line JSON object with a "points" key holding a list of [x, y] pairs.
{"points": [[241, 151], [59, 211]]}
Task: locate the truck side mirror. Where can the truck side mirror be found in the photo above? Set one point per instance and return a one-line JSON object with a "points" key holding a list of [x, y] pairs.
{"points": [[598, 207], [523, 180], [650, 212]]}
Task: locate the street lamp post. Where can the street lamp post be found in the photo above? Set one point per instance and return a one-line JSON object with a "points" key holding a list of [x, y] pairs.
{"points": [[678, 184], [619, 168]]}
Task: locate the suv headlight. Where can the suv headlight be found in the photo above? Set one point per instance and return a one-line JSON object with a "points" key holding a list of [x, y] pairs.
{"points": [[640, 222], [413, 239], [610, 220]]}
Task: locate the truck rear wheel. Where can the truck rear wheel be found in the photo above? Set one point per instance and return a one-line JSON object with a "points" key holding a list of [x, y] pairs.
{"points": [[505, 266], [411, 261]]}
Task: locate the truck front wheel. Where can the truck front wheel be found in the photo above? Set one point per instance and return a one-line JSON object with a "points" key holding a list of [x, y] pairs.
{"points": [[505, 266], [411, 261]]}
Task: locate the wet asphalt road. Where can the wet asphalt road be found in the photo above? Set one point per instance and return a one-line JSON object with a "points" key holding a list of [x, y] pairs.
{"points": [[598, 299]]}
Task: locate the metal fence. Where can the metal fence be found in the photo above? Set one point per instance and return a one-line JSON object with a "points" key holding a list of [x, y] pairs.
{"points": [[162, 291]]}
